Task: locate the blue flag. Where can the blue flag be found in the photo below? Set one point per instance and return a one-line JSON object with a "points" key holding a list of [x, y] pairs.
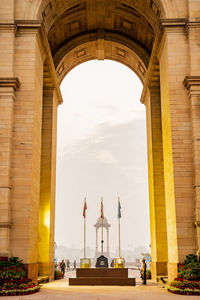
{"points": [[119, 210]]}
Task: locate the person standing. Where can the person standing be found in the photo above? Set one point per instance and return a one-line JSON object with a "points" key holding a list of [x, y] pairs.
{"points": [[74, 264], [144, 272], [62, 267], [68, 265]]}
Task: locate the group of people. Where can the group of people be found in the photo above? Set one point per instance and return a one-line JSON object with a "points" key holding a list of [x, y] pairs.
{"points": [[64, 266]]}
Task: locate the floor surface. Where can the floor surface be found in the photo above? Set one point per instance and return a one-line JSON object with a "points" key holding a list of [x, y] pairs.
{"points": [[60, 290]]}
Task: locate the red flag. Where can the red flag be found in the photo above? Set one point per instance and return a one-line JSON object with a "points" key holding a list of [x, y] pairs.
{"points": [[102, 215], [84, 208]]}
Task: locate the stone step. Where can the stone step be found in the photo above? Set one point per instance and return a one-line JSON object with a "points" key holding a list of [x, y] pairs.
{"points": [[102, 272], [123, 281]]}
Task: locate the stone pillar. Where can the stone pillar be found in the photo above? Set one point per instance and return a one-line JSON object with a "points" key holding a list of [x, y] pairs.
{"points": [[26, 152], [8, 87], [192, 82], [177, 145], [159, 250], [47, 185], [193, 85]]}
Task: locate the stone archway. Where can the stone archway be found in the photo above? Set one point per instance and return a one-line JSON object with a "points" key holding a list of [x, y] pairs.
{"points": [[44, 41]]}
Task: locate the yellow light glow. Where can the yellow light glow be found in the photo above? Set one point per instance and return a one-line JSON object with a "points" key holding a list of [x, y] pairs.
{"points": [[47, 218]]}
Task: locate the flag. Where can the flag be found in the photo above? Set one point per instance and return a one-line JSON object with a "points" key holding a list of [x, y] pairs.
{"points": [[102, 215], [84, 208], [119, 210]]}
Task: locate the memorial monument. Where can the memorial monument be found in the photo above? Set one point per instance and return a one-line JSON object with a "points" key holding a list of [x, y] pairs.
{"points": [[102, 258], [102, 274]]}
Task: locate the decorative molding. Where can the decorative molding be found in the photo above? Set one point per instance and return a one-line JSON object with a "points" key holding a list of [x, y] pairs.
{"points": [[141, 68], [28, 26], [8, 26], [174, 25], [61, 69], [10, 82], [173, 22], [191, 25], [80, 53], [154, 8], [47, 10], [127, 24], [28, 23], [121, 52], [75, 25], [5, 225], [5, 187], [191, 81]]}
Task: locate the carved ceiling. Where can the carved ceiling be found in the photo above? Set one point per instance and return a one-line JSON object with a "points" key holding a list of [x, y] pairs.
{"points": [[70, 23]]}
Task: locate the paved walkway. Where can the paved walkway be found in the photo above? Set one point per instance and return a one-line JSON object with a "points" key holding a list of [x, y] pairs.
{"points": [[60, 290]]}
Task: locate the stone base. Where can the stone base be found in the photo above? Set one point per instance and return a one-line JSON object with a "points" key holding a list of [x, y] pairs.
{"points": [[102, 272], [46, 269], [172, 271], [32, 270], [102, 281], [158, 269], [102, 276]]}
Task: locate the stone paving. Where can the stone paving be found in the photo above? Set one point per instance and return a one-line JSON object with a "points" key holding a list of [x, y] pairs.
{"points": [[60, 290]]}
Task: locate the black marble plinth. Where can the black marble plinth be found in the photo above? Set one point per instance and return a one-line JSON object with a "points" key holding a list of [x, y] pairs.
{"points": [[102, 262]]}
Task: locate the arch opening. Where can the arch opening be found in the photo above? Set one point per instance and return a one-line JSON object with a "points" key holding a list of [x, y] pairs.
{"points": [[106, 101]]}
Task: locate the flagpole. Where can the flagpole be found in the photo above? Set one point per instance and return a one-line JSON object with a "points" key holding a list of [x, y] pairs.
{"points": [[84, 237], [119, 240], [101, 228], [85, 233], [119, 230]]}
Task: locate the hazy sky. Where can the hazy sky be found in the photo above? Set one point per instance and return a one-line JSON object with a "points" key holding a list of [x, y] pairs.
{"points": [[102, 151]]}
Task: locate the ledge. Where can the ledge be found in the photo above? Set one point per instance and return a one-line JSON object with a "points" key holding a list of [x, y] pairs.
{"points": [[5, 225], [190, 81], [28, 23], [10, 82], [174, 22]]}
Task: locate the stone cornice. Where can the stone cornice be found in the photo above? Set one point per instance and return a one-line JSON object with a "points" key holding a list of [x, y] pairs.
{"points": [[191, 81], [5, 225], [28, 26], [22, 24], [10, 82], [193, 24], [174, 25], [173, 22], [8, 26], [28, 23]]}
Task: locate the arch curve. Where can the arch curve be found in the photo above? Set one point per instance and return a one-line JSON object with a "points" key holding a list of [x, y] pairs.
{"points": [[101, 50], [33, 9]]}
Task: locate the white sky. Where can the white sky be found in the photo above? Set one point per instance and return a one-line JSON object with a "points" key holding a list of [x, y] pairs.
{"points": [[102, 151]]}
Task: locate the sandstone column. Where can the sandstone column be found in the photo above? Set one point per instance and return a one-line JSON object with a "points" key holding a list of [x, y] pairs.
{"points": [[192, 82], [177, 145], [26, 151], [47, 184], [8, 86], [158, 230]]}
